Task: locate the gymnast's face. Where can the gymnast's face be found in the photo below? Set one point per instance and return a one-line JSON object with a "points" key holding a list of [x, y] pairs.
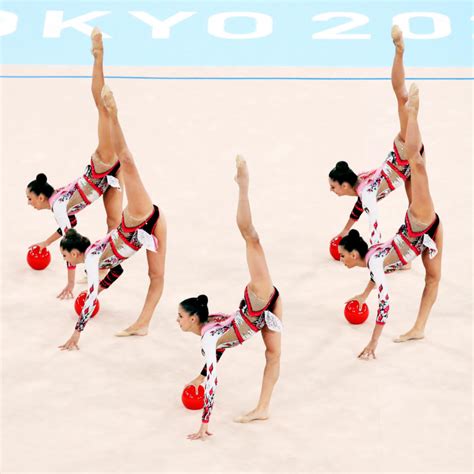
{"points": [[339, 189], [185, 320], [72, 257], [349, 259], [35, 201]]}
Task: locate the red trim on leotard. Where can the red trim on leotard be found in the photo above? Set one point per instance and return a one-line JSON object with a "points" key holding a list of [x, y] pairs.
{"points": [[105, 173], [400, 256], [394, 168], [92, 185], [133, 229], [409, 244], [114, 250], [125, 241], [388, 180], [83, 196], [397, 156], [237, 332], [248, 322], [249, 305], [411, 232]]}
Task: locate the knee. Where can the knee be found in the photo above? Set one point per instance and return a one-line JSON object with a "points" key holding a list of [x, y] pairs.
{"points": [[250, 235], [432, 279], [272, 356]]}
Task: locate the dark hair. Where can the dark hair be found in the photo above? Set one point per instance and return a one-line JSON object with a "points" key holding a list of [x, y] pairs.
{"points": [[353, 241], [40, 185], [197, 306], [74, 240], [343, 174]]}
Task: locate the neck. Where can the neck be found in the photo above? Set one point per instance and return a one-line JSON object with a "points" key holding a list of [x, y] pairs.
{"points": [[352, 190]]}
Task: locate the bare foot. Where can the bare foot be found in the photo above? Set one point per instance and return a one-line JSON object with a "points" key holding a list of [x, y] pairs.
{"points": [[397, 37], [109, 100], [412, 335], [242, 176], [133, 330], [413, 103], [97, 46], [254, 415]]}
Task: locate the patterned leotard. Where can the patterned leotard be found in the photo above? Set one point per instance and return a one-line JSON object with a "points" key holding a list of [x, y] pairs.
{"points": [[109, 252], [74, 197], [392, 255], [226, 331], [376, 184]]}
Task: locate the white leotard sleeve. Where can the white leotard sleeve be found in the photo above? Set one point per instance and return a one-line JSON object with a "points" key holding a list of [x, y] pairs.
{"points": [[92, 269], [208, 345], [377, 275], [369, 203], [60, 214]]}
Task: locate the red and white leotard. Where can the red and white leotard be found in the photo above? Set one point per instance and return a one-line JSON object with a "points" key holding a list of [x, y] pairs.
{"points": [[392, 255], [74, 197], [109, 252], [242, 325], [376, 184]]}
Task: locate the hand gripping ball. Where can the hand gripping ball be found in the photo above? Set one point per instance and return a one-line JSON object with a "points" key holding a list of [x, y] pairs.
{"points": [[193, 399], [79, 304], [354, 314], [333, 250], [37, 258]]}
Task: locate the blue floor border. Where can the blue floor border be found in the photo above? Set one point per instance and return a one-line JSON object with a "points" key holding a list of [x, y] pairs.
{"points": [[237, 78]]}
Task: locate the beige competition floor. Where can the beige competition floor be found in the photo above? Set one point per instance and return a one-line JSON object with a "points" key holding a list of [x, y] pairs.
{"points": [[115, 406]]}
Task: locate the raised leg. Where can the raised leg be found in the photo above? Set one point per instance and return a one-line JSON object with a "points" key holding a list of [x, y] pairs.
{"points": [[139, 203], [398, 79], [421, 207], [260, 280], [430, 292], [105, 155]]}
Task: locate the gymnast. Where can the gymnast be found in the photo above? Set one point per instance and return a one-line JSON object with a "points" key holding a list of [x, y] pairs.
{"points": [[260, 311], [372, 186], [100, 178], [142, 225], [421, 234]]}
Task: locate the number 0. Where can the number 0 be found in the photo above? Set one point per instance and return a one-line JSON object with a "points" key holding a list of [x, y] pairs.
{"points": [[336, 33], [441, 25]]}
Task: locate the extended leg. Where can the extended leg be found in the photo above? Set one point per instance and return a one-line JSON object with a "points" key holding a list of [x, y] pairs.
{"points": [[421, 207], [139, 204], [272, 341], [260, 280], [398, 79], [430, 292]]}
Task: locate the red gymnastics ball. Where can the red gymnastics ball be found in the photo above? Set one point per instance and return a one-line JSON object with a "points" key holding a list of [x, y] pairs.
{"points": [[355, 314], [37, 258], [193, 399], [333, 250], [79, 304]]}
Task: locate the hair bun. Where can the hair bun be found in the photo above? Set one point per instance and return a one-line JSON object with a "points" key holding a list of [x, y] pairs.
{"points": [[342, 165], [71, 233], [202, 300], [41, 179]]}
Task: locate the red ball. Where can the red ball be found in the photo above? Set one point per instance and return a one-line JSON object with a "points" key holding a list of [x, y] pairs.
{"points": [[193, 399], [38, 259], [355, 315], [79, 304], [333, 250]]}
